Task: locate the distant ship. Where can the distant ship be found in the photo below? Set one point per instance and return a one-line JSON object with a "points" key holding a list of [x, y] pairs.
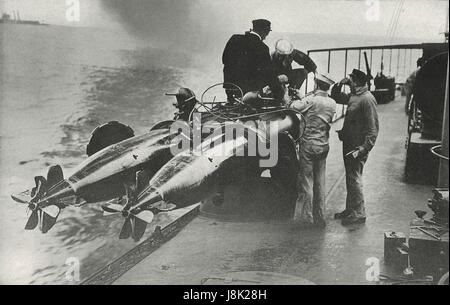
{"points": [[6, 18]]}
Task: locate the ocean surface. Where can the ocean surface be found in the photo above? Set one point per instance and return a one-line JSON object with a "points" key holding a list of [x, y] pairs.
{"points": [[56, 85]]}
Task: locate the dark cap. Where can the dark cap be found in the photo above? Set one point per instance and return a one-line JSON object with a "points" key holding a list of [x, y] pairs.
{"points": [[358, 75], [261, 25]]}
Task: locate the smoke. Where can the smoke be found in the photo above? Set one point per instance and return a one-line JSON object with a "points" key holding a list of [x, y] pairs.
{"points": [[166, 23]]}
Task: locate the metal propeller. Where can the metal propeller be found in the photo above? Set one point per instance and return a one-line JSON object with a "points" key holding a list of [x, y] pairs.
{"points": [[43, 213], [136, 220]]}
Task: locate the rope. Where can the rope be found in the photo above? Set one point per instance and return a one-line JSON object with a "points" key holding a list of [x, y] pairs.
{"points": [[394, 29]]}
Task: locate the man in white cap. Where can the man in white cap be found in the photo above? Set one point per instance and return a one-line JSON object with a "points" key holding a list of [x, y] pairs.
{"points": [[282, 59], [318, 110]]}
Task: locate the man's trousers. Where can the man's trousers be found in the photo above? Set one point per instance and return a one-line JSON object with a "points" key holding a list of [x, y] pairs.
{"points": [[310, 205]]}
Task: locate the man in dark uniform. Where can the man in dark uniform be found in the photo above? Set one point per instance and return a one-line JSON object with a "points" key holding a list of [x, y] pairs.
{"points": [[282, 59], [409, 85], [358, 136], [247, 61]]}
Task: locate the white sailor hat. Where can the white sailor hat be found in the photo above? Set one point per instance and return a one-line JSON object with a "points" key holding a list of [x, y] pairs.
{"points": [[326, 78], [283, 47]]}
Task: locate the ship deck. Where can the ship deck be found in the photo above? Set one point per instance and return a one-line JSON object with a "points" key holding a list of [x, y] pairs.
{"points": [[209, 250]]}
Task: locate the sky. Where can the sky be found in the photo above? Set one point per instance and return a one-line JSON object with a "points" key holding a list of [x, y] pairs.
{"points": [[422, 19]]}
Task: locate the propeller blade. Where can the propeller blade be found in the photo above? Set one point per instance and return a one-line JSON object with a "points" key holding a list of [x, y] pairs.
{"points": [[139, 229], [54, 175], [33, 220], [52, 211], [33, 192], [126, 229], [112, 208], [47, 221], [20, 198], [145, 215], [39, 190]]}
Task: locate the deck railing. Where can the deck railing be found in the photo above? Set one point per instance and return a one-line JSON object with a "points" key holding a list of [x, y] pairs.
{"points": [[400, 59]]}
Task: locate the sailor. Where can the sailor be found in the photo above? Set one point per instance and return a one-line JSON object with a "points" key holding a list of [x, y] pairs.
{"points": [[246, 60], [282, 59], [409, 85], [318, 110], [358, 134]]}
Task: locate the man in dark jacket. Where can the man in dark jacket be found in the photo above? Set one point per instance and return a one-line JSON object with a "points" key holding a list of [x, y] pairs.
{"points": [[282, 59], [247, 62], [358, 135]]}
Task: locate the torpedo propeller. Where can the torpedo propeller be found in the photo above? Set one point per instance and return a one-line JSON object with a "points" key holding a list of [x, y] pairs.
{"points": [[44, 213], [136, 219]]}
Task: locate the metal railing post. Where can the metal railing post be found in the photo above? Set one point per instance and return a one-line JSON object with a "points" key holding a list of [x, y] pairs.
{"points": [[329, 59], [345, 68], [410, 60], [404, 63], [359, 60], [390, 61], [443, 164], [371, 53], [307, 76]]}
